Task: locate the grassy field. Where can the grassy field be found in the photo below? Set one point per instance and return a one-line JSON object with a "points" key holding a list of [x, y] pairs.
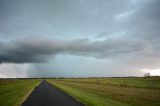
{"points": [[13, 91], [112, 91]]}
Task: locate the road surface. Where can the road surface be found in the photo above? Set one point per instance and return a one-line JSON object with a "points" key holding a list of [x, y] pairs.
{"points": [[47, 95]]}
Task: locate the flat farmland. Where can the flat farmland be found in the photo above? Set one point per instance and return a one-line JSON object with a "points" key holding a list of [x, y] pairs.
{"points": [[112, 91], [85, 91], [14, 91]]}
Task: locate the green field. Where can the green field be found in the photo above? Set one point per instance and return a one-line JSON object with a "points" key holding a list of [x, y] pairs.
{"points": [[90, 91], [13, 91], [112, 91]]}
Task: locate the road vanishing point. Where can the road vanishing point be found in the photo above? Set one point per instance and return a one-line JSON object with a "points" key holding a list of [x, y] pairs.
{"points": [[46, 94]]}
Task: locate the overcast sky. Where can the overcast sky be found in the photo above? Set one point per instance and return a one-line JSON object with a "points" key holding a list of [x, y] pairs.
{"points": [[79, 38]]}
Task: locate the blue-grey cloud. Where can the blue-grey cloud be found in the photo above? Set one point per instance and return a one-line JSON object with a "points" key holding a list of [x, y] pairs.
{"points": [[125, 32]]}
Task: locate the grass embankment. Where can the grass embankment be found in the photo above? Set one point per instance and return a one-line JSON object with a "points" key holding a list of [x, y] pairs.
{"points": [[13, 91], [112, 91]]}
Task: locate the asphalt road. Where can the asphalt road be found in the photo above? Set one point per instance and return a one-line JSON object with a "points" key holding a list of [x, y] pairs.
{"points": [[47, 95]]}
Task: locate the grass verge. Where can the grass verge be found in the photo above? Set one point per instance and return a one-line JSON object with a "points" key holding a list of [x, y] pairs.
{"points": [[14, 92]]}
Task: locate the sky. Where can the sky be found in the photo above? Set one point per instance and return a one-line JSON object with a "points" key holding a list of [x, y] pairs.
{"points": [[79, 38]]}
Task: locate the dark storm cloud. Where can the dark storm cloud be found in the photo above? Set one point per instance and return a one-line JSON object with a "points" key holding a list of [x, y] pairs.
{"points": [[139, 19], [28, 50]]}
